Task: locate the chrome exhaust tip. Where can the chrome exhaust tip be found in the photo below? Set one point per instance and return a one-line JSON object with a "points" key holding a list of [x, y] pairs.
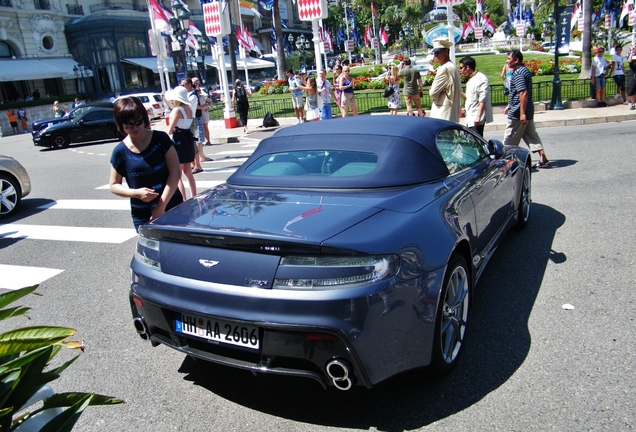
{"points": [[339, 370], [141, 327]]}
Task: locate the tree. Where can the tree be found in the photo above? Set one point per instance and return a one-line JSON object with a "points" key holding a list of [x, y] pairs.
{"points": [[586, 63], [280, 55]]}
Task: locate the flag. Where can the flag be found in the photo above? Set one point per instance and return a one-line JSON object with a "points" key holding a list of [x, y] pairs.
{"points": [[247, 4], [576, 14], [352, 18], [529, 17], [627, 7], [373, 11], [384, 38], [160, 16], [282, 23], [340, 37], [472, 22], [266, 4], [368, 35], [479, 9], [330, 40], [356, 37], [466, 31], [488, 25]]}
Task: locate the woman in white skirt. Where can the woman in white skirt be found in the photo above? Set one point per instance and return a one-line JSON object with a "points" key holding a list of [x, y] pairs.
{"points": [[395, 101], [312, 110]]}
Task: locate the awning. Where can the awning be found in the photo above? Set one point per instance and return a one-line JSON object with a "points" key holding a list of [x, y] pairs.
{"points": [[252, 63], [149, 63], [22, 70]]}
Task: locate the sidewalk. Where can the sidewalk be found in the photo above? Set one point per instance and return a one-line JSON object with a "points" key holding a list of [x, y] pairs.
{"points": [[577, 113]]}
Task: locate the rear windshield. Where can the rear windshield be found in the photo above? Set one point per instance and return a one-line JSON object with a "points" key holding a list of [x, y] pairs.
{"points": [[325, 163]]}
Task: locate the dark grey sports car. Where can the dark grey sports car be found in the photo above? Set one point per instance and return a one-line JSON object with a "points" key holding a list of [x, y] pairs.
{"points": [[344, 251]]}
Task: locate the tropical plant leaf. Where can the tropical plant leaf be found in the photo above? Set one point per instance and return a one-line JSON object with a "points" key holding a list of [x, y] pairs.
{"points": [[62, 400], [11, 296], [61, 369], [13, 312], [28, 357], [31, 378], [30, 338], [65, 421]]}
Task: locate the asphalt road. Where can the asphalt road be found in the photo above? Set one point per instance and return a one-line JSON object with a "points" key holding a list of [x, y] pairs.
{"points": [[528, 363]]}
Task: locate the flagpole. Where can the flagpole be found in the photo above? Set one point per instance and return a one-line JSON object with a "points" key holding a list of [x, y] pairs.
{"points": [[451, 30], [347, 24], [242, 53]]}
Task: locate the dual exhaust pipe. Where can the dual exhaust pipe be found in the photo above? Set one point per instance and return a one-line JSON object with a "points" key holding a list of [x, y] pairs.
{"points": [[339, 371], [141, 327]]}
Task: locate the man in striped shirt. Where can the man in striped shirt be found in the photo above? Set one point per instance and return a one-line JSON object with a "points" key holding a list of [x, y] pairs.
{"points": [[520, 109]]}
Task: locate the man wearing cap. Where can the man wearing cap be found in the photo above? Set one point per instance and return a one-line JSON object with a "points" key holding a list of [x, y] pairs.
{"points": [[478, 105], [446, 89], [412, 87], [520, 109]]}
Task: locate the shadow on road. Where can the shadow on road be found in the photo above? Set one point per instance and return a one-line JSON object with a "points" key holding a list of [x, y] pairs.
{"points": [[498, 341]]}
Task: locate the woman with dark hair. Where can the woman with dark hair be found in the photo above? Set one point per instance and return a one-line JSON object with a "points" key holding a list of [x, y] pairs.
{"points": [[147, 160], [241, 104]]}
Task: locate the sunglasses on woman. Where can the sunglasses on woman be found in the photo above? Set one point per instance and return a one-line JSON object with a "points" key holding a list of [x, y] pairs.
{"points": [[133, 125]]}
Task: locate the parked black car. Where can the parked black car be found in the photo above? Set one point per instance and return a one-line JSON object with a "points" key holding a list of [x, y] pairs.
{"points": [[37, 126], [96, 124]]}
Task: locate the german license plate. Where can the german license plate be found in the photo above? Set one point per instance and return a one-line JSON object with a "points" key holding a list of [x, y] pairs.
{"points": [[217, 330]]}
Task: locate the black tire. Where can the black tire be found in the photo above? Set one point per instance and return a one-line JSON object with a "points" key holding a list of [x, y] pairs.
{"points": [[525, 198], [10, 195], [452, 314], [60, 141]]}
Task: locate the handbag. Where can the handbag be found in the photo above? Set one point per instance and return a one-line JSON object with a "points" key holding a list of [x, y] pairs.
{"points": [[388, 91]]}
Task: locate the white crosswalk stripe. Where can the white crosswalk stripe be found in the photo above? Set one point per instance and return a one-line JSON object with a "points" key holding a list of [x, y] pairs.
{"points": [[67, 233], [16, 277], [119, 204]]}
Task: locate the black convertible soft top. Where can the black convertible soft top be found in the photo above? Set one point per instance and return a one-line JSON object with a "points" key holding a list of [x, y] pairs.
{"points": [[405, 146]]}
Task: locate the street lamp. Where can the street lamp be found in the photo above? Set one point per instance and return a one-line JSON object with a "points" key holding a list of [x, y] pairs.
{"points": [[401, 38], [555, 103], [180, 24], [302, 45], [204, 48], [408, 34]]}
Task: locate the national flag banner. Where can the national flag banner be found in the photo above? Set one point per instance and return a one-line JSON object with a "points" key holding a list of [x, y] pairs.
{"points": [[373, 11], [466, 31], [349, 45], [160, 16], [576, 15], [330, 40], [581, 24], [375, 43], [480, 9], [627, 7], [520, 29], [488, 25], [250, 40], [216, 18], [632, 18], [479, 33], [310, 10], [608, 21], [384, 38]]}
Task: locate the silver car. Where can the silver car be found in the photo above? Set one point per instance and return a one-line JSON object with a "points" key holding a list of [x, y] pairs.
{"points": [[14, 185]]}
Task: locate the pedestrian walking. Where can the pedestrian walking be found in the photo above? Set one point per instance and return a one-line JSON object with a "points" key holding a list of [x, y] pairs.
{"points": [[520, 110], [478, 104], [23, 120], [312, 110], [181, 119], [412, 87], [338, 90], [296, 94], [147, 160], [241, 104], [617, 71], [395, 102], [631, 91], [346, 84], [13, 121], [325, 90], [198, 132], [446, 89], [599, 71]]}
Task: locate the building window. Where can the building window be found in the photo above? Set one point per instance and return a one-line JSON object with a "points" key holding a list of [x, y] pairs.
{"points": [[48, 43], [42, 4], [6, 51], [132, 47]]}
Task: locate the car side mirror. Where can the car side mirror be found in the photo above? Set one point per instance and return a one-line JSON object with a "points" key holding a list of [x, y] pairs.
{"points": [[496, 148]]}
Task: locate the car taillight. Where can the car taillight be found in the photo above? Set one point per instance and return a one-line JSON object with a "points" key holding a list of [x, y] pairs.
{"points": [[147, 252], [333, 272]]}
